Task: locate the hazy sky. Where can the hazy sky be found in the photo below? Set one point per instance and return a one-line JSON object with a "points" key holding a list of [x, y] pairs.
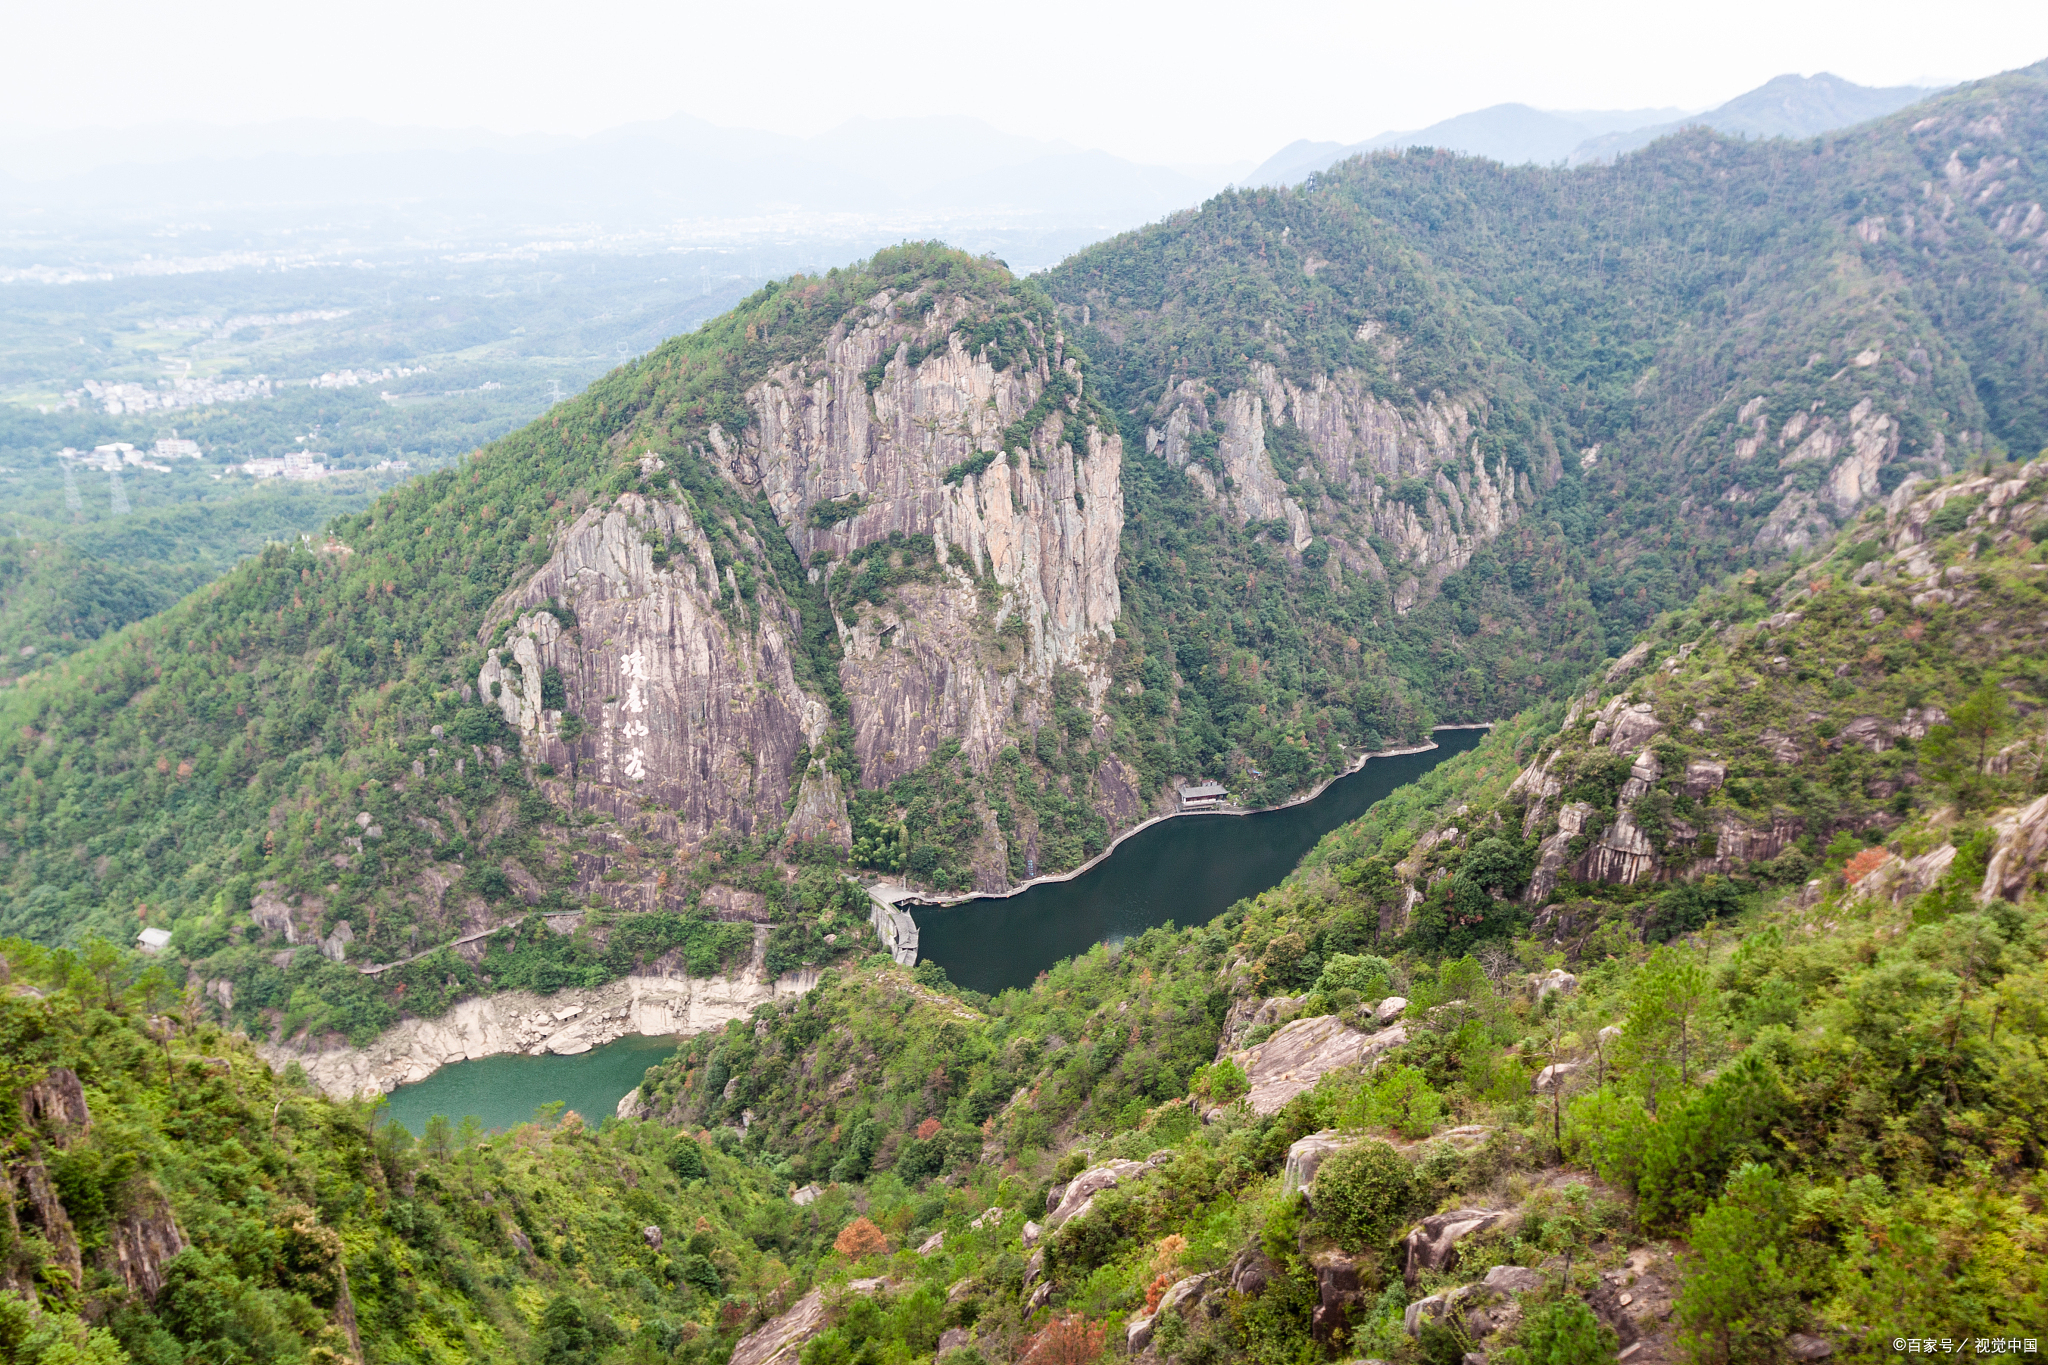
{"points": [[1198, 82]]}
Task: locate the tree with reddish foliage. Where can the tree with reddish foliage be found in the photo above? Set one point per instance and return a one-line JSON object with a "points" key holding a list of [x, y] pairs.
{"points": [[859, 1240], [1863, 864], [1069, 1341], [927, 1130]]}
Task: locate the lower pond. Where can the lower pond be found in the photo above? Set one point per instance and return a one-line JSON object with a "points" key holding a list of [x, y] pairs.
{"points": [[504, 1090], [1186, 870]]}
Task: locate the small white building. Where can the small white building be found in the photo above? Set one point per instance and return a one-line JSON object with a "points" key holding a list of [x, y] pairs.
{"points": [[176, 448], [298, 464], [108, 457], [1203, 796], [153, 940]]}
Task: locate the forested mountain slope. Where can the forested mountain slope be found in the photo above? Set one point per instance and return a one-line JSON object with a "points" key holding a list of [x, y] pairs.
{"points": [[1702, 357], [169, 1199]]}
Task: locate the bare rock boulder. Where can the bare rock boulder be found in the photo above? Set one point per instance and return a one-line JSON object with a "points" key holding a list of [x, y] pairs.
{"points": [[1433, 1243], [2018, 853], [1250, 1272], [1553, 1077], [1306, 1157], [781, 1340], [1339, 1286], [1077, 1196], [1248, 1014], [144, 1237], [1178, 1300], [1606, 1303], [1512, 1279], [1431, 1308], [56, 1104], [1305, 1051]]}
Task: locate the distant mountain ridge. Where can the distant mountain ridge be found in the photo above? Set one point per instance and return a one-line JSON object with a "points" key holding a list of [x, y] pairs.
{"points": [[1517, 134], [1785, 106]]}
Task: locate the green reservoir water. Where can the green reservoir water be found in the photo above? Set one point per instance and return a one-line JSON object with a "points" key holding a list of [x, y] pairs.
{"points": [[505, 1090], [1186, 870]]}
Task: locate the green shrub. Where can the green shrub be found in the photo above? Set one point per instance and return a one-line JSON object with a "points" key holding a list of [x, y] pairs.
{"points": [[1362, 1193], [1397, 1097], [1562, 1333], [687, 1160], [701, 1275], [1219, 1083], [1688, 1153], [1953, 516], [1676, 1160], [43, 1337], [1368, 975], [1608, 1131], [827, 514]]}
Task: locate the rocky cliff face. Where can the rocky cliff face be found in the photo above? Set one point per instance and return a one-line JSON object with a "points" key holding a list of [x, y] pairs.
{"points": [[1366, 471], [886, 421], [657, 628], [1847, 454], [682, 682]]}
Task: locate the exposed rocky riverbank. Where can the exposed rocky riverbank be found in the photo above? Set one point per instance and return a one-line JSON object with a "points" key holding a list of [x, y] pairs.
{"points": [[568, 1022]]}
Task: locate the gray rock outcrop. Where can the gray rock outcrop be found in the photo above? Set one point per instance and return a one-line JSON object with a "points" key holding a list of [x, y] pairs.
{"points": [[2018, 853], [780, 1340], [1513, 1279], [666, 636], [1307, 1155], [1179, 1300], [1433, 1243], [56, 1104], [1410, 479], [1077, 1196], [1042, 523], [143, 1238], [1305, 1051]]}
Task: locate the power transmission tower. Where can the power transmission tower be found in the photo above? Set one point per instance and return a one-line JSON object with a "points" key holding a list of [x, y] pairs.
{"points": [[121, 508], [71, 498]]}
